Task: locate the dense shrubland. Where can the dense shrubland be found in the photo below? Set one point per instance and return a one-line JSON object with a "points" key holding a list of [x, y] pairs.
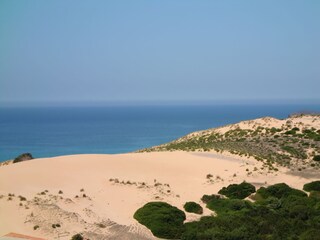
{"points": [[278, 212]]}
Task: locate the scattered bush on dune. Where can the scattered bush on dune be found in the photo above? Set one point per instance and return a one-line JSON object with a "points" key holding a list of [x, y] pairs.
{"points": [[77, 237], [312, 186], [316, 158], [193, 207], [238, 191], [164, 220]]}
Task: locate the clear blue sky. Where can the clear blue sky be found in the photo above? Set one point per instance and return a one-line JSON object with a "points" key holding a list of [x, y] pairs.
{"points": [[78, 51]]}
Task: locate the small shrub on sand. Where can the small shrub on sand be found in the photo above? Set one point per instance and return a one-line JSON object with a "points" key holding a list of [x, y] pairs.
{"points": [[23, 157], [312, 186], [209, 176], [77, 237], [193, 207], [164, 220], [238, 191], [60, 192], [35, 227], [101, 225], [22, 198], [316, 158]]}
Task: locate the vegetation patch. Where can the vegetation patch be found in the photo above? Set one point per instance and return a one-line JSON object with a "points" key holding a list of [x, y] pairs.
{"points": [[286, 146], [312, 186], [238, 191], [164, 220], [77, 237], [23, 157], [316, 158], [193, 207], [282, 213], [227, 206], [279, 190], [208, 198]]}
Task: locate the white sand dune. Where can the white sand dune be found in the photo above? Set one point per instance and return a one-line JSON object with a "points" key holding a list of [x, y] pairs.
{"points": [[106, 210]]}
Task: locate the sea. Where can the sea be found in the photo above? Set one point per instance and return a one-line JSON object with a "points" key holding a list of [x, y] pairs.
{"points": [[54, 131]]}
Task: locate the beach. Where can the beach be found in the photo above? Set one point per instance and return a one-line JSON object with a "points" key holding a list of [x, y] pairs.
{"points": [[97, 195]]}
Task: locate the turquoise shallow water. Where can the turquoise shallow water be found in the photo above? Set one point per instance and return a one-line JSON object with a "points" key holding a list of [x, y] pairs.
{"points": [[54, 131]]}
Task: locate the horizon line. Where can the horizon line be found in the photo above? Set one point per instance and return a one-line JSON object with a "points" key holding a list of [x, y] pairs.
{"points": [[88, 103]]}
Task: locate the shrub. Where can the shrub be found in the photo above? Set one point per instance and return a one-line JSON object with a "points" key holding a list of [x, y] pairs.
{"points": [[22, 198], [238, 191], [164, 220], [315, 195], [77, 237], [227, 206], [35, 227], [208, 198], [278, 191], [316, 158], [310, 234], [312, 186], [23, 157], [193, 207]]}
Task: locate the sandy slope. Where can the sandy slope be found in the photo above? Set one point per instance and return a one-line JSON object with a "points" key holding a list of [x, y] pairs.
{"points": [[108, 207]]}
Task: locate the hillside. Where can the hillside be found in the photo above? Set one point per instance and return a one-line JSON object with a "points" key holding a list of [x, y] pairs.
{"points": [[294, 141]]}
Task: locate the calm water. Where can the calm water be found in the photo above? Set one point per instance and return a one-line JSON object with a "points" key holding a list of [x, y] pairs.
{"points": [[53, 131]]}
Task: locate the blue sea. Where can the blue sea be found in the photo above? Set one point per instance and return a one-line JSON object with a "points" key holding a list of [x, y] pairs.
{"points": [[54, 131]]}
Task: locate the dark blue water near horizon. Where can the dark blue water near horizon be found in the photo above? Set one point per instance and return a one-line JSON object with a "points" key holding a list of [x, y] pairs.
{"points": [[54, 131]]}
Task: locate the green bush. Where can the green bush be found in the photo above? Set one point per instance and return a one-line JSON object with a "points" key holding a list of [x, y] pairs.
{"points": [[164, 220], [207, 198], [315, 195], [312, 186], [193, 207], [278, 191], [23, 157], [238, 191], [77, 237], [316, 158], [226, 206]]}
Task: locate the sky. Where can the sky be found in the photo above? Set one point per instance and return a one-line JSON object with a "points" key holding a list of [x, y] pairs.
{"points": [[153, 51]]}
